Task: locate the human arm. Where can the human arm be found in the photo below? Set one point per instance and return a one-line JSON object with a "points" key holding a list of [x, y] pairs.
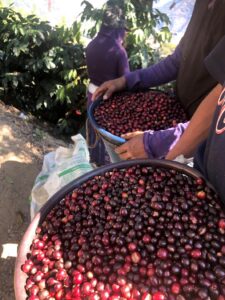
{"points": [[162, 72], [198, 128], [133, 148], [150, 144]]}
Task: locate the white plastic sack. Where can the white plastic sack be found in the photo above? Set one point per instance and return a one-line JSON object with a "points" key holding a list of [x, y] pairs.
{"points": [[186, 161], [59, 168]]}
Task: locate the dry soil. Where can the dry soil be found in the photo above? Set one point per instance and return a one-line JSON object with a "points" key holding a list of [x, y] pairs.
{"points": [[23, 143]]}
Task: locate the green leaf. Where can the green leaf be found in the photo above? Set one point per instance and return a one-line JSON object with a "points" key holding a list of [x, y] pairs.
{"points": [[62, 94], [49, 64], [15, 82], [21, 30], [41, 35], [16, 51], [39, 103]]}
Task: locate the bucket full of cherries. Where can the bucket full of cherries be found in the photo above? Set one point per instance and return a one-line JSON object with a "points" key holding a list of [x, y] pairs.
{"points": [[142, 229]]}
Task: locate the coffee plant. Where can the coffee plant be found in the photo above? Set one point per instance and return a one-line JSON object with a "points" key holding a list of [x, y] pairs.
{"points": [[142, 21], [43, 68]]}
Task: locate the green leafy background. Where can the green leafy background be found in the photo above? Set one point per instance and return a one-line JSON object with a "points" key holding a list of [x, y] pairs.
{"points": [[43, 69]]}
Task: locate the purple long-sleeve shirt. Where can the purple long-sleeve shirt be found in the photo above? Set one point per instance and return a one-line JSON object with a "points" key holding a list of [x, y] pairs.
{"points": [[106, 57], [158, 143], [160, 73]]}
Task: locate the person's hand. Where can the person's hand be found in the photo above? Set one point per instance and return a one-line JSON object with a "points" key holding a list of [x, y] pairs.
{"points": [[109, 87], [133, 148]]}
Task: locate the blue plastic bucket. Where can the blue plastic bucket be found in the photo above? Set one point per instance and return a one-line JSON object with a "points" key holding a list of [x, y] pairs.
{"points": [[110, 140]]}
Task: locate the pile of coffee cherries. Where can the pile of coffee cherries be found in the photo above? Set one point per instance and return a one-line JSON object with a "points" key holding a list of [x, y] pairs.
{"points": [[129, 112], [143, 232]]}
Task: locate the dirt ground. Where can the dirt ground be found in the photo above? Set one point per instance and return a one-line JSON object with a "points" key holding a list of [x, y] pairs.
{"points": [[23, 143]]}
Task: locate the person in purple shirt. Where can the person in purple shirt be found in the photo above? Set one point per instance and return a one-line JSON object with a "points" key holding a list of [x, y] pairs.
{"points": [[106, 59], [193, 83]]}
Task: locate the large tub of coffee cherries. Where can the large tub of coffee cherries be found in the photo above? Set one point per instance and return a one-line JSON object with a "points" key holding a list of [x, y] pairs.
{"points": [[148, 230], [133, 111]]}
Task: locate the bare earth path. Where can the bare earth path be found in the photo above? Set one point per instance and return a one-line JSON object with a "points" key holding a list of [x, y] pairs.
{"points": [[23, 144]]}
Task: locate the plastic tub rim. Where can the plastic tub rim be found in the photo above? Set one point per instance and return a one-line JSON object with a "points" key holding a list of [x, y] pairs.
{"points": [[103, 132]]}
